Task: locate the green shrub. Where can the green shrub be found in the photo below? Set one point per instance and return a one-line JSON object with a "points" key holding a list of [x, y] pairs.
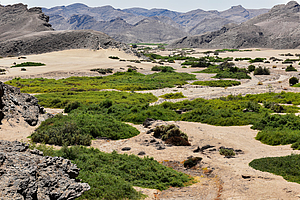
{"points": [[218, 83], [28, 64], [177, 95], [287, 166], [290, 68], [293, 81], [79, 128], [72, 106], [226, 152]]}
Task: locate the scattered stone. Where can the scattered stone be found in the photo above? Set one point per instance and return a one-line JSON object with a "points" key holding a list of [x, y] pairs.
{"points": [[206, 147], [197, 150], [246, 177], [161, 147], [153, 141], [126, 149], [149, 131]]}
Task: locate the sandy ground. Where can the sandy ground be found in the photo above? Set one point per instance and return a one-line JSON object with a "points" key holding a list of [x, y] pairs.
{"points": [[229, 178]]}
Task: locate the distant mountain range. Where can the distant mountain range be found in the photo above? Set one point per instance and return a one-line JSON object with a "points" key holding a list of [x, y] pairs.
{"points": [[279, 28], [142, 25]]}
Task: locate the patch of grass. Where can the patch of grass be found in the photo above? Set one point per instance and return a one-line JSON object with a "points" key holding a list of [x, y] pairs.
{"points": [[102, 71], [28, 64], [287, 166], [290, 69], [125, 81], [177, 95], [218, 83], [279, 130], [62, 99]]}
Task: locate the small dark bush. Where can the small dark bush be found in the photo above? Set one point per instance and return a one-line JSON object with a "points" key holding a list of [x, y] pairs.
{"points": [[114, 57], [72, 106], [163, 68], [293, 81], [251, 68], [191, 162], [170, 134]]}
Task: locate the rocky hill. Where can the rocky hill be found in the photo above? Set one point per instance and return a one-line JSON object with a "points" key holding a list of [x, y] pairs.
{"points": [[162, 24], [27, 175], [27, 31], [279, 28]]}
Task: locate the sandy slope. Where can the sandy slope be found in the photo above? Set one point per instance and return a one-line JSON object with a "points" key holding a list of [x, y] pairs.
{"points": [[226, 179]]}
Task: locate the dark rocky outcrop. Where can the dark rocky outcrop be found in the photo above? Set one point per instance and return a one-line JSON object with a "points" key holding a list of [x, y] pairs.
{"points": [[27, 174], [279, 28], [16, 106]]}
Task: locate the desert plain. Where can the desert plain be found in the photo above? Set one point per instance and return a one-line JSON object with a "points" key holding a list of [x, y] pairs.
{"points": [[219, 178]]}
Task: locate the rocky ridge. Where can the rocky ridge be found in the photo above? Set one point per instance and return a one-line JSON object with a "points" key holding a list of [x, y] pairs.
{"points": [[27, 31], [27, 174], [16, 107], [279, 29], [165, 25]]}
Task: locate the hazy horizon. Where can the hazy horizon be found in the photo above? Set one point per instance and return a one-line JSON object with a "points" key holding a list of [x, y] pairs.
{"points": [[167, 4]]}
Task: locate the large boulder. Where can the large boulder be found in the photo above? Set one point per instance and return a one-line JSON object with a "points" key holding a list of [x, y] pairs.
{"points": [[27, 174]]}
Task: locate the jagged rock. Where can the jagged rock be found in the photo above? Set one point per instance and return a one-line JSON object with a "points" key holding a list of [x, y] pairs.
{"points": [[16, 106], [26, 174], [126, 149]]}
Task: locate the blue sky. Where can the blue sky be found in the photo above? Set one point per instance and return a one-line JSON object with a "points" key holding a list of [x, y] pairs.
{"points": [[176, 5]]}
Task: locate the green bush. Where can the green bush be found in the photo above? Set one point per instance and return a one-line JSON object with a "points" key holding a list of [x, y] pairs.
{"points": [[218, 83], [290, 69], [80, 128], [287, 166], [28, 64], [177, 95]]}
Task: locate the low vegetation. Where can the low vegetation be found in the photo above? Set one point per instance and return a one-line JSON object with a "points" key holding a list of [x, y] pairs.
{"points": [[226, 152], [218, 83], [126, 81], [28, 64], [62, 99], [113, 175], [114, 57], [177, 95], [287, 167], [255, 60]]}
